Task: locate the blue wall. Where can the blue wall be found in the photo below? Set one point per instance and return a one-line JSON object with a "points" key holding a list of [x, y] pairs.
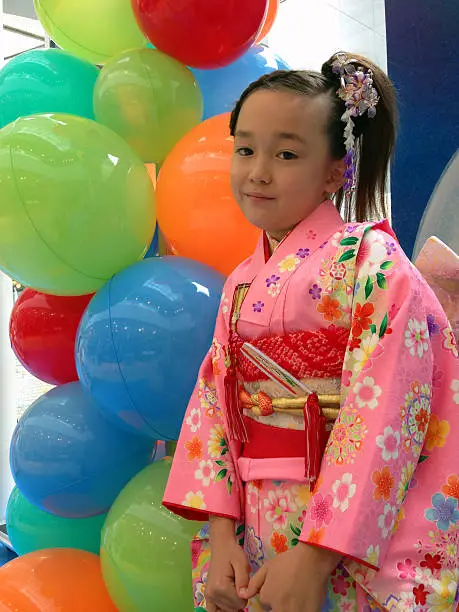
{"points": [[423, 61]]}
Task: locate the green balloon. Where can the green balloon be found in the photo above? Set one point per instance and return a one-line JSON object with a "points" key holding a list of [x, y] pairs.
{"points": [[94, 31], [145, 552], [30, 529], [46, 81], [150, 99], [76, 204]]}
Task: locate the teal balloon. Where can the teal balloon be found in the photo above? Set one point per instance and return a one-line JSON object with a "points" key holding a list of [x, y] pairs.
{"points": [[30, 529], [46, 81]]}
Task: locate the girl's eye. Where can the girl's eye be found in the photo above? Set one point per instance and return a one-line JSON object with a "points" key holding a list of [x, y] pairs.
{"points": [[244, 151], [287, 155]]}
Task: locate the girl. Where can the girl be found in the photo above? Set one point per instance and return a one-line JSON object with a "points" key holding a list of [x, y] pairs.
{"points": [[321, 439]]}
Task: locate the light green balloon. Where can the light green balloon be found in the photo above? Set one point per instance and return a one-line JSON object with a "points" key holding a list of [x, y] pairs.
{"points": [[30, 529], [92, 30], [148, 98], [145, 551], [76, 204]]}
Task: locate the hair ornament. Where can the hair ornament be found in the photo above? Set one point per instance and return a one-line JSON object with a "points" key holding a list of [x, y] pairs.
{"points": [[359, 97]]}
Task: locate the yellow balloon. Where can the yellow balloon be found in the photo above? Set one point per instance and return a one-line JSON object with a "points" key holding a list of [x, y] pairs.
{"points": [[93, 30]]}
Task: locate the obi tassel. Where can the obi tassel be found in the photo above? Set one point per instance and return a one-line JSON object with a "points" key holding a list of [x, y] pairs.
{"points": [[235, 423], [314, 422], [236, 427]]}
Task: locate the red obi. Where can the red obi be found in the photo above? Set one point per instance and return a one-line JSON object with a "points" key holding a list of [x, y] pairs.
{"points": [[267, 442], [305, 354]]}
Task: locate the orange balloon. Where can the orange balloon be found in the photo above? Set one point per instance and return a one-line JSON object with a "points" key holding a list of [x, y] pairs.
{"points": [[271, 14], [151, 169], [53, 581], [197, 212]]}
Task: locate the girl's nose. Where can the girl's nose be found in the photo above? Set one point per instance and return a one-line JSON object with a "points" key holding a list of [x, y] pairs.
{"points": [[260, 172]]}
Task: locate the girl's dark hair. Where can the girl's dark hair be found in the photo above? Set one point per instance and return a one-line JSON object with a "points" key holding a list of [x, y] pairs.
{"points": [[375, 137]]}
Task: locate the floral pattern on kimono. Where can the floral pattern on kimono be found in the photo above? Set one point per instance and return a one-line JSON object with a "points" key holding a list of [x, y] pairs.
{"points": [[387, 495], [210, 483]]}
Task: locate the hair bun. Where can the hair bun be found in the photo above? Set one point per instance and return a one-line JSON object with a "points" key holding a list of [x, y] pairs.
{"points": [[327, 72], [342, 63]]}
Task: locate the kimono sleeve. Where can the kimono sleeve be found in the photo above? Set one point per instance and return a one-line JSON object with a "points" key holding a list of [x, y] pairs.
{"points": [[377, 439], [202, 480]]}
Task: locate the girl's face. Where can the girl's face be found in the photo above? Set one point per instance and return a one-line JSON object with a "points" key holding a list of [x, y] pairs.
{"points": [[282, 168]]}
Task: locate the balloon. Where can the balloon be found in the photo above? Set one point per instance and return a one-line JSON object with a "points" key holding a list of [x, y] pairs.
{"points": [[440, 217], [271, 14], [222, 87], [67, 459], [43, 330], [163, 247], [76, 204], [149, 99], [153, 249], [30, 529], [46, 81], [94, 31], [145, 552], [142, 339], [439, 265], [152, 171], [198, 35], [197, 212], [6, 555], [53, 581]]}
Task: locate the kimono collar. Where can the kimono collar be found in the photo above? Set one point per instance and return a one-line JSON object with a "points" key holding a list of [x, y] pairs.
{"points": [[302, 241], [267, 276]]}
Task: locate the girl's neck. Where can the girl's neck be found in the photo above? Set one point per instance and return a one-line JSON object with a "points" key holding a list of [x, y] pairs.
{"points": [[274, 240]]}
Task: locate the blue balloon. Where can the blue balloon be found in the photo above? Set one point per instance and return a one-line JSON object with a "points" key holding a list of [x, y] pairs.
{"points": [[68, 459], [222, 87], [153, 249], [46, 81], [142, 339], [6, 555]]}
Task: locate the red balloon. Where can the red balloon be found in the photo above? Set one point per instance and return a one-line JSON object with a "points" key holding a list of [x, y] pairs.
{"points": [[43, 329], [201, 33]]}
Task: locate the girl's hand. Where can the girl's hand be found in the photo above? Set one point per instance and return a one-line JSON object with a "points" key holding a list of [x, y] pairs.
{"points": [[229, 569], [295, 581]]}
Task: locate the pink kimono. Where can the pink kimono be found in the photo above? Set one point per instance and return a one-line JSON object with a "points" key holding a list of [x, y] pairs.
{"points": [[343, 310]]}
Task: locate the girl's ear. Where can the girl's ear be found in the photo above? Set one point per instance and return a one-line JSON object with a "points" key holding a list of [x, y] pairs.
{"points": [[335, 178]]}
